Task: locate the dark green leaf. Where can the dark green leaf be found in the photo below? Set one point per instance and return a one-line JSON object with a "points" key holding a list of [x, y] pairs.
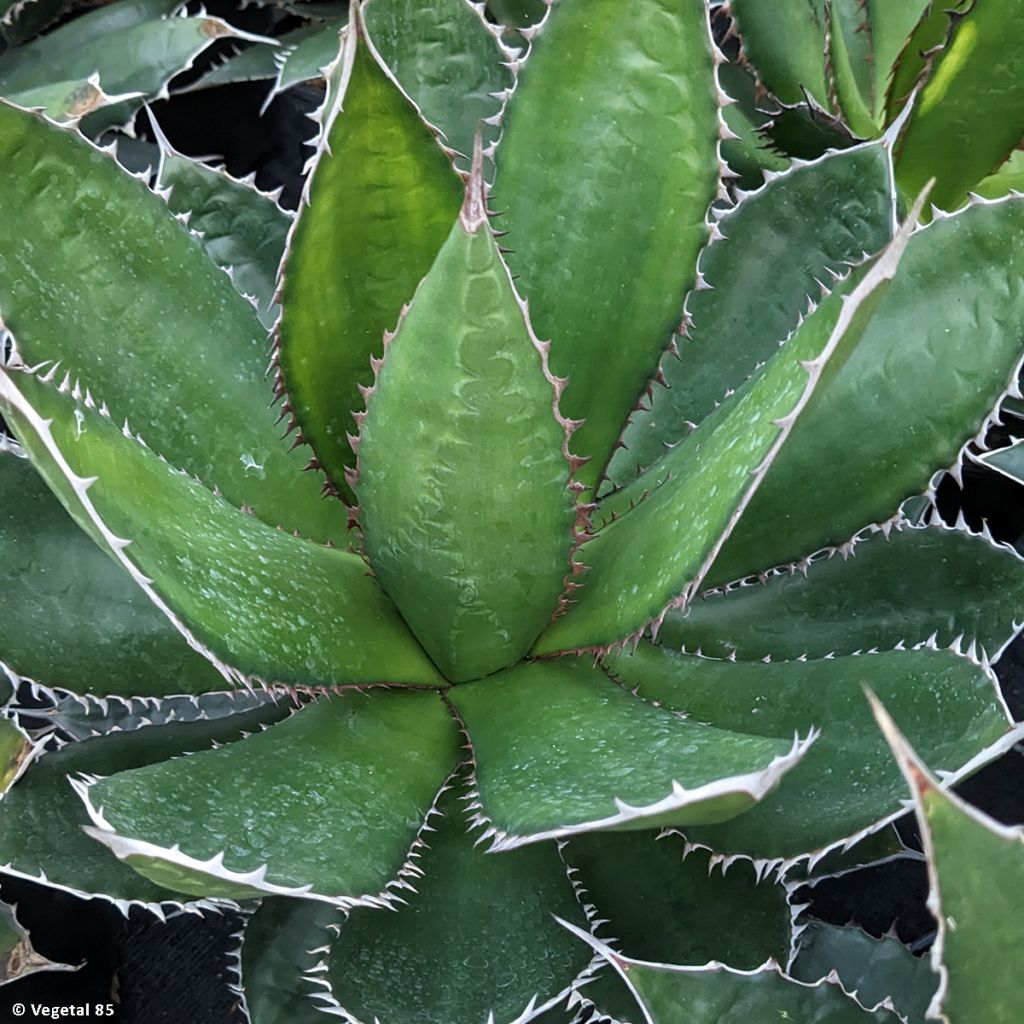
{"points": [[326, 803], [605, 173], [890, 26], [560, 749], [17, 957]]}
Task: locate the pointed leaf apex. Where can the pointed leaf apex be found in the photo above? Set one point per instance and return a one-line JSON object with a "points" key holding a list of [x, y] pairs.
{"points": [[473, 214]]}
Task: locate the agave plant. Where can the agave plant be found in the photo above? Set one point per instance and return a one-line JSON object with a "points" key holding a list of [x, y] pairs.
{"points": [[605, 491]]}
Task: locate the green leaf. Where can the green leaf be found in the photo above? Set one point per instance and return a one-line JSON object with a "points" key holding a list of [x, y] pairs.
{"points": [[450, 61], [781, 240], [88, 28], [749, 155], [255, 63], [1007, 461], [20, 20], [255, 600], [658, 901], [941, 349], [317, 51], [461, 431], [17, 751], [242, 229], [785, 42], [139, 58], [655, 557], [199, 398], [887, 588], [974, 865], [283, 940], [42, 819], [72, 618], [66, 101], [890, 26], [914, 61], [843, 786], [683, 995], [876, 969], [981, 68], [560, 749], [616, 110], [851, 63], [325, 804], [475, 938], [392, 196], [1009, 178], [517, 13], [17, 957]]}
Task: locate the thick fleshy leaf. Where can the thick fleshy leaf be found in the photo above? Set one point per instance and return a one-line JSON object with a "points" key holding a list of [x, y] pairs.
{"points": [[140, 58], [900, 587], [307, 61], [20, 20], [785, 41], [851, 64], [942, 347], [844, 785], [749, 155], [41, 817], [605, 173], [1009, 178], [685, 995], [255, 600], [980, 68], [658, 901], [66, 101], [242, 229], [974, 865], [655, 557], [17, 751], [890, 26], [517, 13], [254, 63], [17, 957], [914, 60], [325, 804], [476, 938], [283, 940], [72, 617], [392, 196], [463, 466], [876, 969], [560, 749], [778, 244], [197, 393], [1008, 461], [449, 60]]}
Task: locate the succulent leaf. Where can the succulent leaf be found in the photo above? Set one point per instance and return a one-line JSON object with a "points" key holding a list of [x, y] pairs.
{"points": [[785, 42], [914, 61], [890, 26], [67, 101], [392, 195], [463, 420], [309, 58], [930, 365], [889, 587], [201, 404], [285, 938], [875, 969], [42, 819], [476, 940], [1007, 461], [560, 749], [977, 920], [657, 900], [748, 155], [449, 59], [1008, 178], [980, 68], [782, 240], [842, 786], [681, 995], [254, 600], [242, 229], [17, 956], [72, 618], [604, 176], [325, 804], [850, 64], [20, 20], [17, 752]]}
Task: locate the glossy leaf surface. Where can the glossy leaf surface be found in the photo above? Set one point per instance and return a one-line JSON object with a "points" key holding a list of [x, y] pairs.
{"points": [[392, 196], [72, 617], [202, 399], [605, 173], [901, 589], [327, 802], [890, 26], [256, 600], [779, 243], [477, 937], [463, 483], [560, 749], [843, 785]]}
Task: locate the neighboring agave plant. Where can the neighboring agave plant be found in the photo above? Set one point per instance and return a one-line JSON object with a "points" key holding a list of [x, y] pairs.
{"points": [[606, 528]]}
